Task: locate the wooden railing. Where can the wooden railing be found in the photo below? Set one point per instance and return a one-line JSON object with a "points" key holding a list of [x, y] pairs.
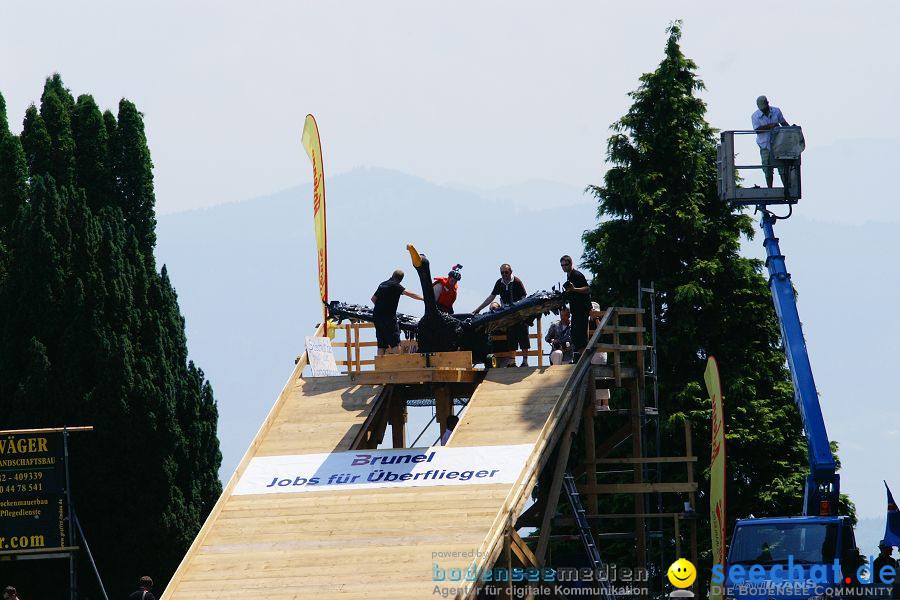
{"points": [[351, 338]]}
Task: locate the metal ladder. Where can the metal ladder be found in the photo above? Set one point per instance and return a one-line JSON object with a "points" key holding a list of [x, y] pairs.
{"points": [[584, 531]]}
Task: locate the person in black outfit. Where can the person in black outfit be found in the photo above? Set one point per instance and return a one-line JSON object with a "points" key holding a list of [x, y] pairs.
{"points": [[579, 296], [885, 560], [143, 591], [385, 299], [511, 290]]}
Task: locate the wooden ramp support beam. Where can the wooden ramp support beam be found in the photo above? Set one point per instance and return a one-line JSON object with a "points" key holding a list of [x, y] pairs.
{"points": [[398, 420], [443, 405]]}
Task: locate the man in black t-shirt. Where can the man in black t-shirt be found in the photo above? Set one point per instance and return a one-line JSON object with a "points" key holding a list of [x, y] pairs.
{"points": [[511, 290], [579, 295], [385, 299]]}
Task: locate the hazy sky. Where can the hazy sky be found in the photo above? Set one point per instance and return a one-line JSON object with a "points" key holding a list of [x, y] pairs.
{"points": [[473, 93]]}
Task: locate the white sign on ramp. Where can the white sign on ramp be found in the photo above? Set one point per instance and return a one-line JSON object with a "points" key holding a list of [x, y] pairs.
{"points": [[321, 357], [363, 469]]}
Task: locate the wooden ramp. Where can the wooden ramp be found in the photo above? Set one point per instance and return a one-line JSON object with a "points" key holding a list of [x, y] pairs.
{"points": [[370, 543]]}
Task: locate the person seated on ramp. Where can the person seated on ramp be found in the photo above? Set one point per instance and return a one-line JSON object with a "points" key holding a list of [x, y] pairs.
{"points": [[559, 336], [452, 422]]}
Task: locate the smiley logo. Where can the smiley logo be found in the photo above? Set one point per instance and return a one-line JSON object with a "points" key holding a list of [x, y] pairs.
{"points": [[682, 573]]}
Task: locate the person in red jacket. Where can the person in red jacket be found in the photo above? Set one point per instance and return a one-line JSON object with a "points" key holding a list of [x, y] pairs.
{"points": [[445, 289]]}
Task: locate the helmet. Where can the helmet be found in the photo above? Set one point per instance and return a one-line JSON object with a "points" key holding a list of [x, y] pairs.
{"points": [[454, 272]]}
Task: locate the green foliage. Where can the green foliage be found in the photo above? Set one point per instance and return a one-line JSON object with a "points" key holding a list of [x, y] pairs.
{"points": [[91, 152], [661, 222], [13, 172], [133, 171], [36, 142], [91, 333], [4, 122], [56, 108]]}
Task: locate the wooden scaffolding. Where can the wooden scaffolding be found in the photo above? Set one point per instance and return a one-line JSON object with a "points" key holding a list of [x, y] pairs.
{"points": [[619, 334]]}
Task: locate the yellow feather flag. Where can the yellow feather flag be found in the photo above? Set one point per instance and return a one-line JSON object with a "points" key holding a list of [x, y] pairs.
{"points": [[313, 147], [717, 469]]}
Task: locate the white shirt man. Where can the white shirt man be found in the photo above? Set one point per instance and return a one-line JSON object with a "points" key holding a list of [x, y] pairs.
{"points": [[765, 119]]}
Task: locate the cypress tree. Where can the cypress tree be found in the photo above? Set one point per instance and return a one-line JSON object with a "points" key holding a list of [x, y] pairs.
{"points": [[109, 123], [13, 173], [56, 110], [36, 143], [661, 221], [91, 332], [133, 171], [54, 85], [91, 152]]}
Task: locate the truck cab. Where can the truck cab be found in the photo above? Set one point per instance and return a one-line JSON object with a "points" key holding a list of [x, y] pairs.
{"points": [[805, 558]]}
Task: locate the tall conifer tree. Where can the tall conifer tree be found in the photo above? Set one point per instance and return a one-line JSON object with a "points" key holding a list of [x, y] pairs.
{"points": [[56, 110], [91, 332], [133, 171], [13, 173], [36, 143], [91, 152], [661, 221]]}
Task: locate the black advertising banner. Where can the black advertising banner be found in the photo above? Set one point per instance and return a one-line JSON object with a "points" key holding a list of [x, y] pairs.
{"points": [[34, 507]]}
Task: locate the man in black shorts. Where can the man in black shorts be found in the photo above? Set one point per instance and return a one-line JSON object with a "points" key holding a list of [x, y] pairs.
{"points": [[385, 299], [578, 293]]}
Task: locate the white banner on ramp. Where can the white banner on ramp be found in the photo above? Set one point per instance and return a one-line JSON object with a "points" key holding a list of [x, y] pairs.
{"points": [[365, 469]]}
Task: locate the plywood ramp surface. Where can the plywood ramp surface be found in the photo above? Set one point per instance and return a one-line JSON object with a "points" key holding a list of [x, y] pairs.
{"points": [[371, 543], [511, 406]]}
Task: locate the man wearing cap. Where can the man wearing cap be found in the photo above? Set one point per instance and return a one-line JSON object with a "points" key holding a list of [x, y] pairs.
{"points": [[884, 560], [765, 119]]}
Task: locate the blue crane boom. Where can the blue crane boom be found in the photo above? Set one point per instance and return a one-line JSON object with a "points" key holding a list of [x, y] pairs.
{"points": [[819, 541], [822, 483]]}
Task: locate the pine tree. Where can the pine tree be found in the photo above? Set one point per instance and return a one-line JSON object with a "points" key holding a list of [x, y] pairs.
{"points": [[91, 332], [661, 221]]}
